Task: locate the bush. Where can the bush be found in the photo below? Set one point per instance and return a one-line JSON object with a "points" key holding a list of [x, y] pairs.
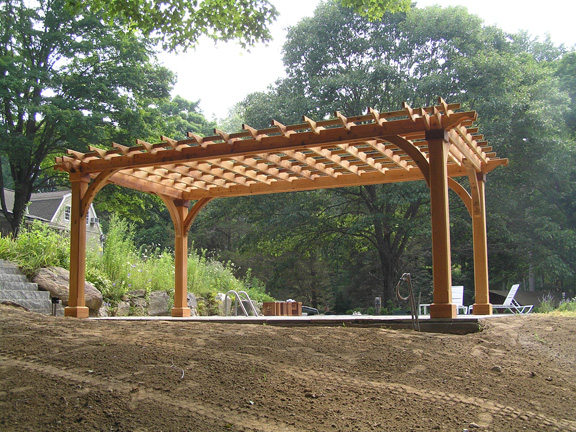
{"points": [[568, 305], [121, 267], [207, 276], [547, 304], [36, 246]]}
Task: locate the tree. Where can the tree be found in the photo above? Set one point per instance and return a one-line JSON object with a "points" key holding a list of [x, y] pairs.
{"points": [[178, 24], [339, 61], [65, 81]]}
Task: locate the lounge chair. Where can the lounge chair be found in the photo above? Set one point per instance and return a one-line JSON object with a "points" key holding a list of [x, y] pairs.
{"points": [[457, 299], [510, 304]]}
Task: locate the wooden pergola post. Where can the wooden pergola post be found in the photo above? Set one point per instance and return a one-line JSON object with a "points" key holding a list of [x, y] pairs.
{"points": [[182, 218], [482, 304], [181, 308], [438, 146], [180, 209], [76, 298]]}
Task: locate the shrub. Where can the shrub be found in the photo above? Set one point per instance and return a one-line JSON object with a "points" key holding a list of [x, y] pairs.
{"points": [[568, 305], [36, 246], [120, 267], [547, 304]]}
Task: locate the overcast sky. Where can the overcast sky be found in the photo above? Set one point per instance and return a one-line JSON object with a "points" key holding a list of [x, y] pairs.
{"points": [[231, 73]]}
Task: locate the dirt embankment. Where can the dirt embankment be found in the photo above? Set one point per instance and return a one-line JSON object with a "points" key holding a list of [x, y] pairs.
{"points": [[67, 374]]}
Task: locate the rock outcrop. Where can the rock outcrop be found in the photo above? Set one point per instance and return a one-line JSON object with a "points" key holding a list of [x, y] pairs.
{"points": [[56, 280]]}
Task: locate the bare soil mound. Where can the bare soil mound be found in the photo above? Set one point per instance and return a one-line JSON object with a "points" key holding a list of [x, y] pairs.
{"points": [[80, 375]]}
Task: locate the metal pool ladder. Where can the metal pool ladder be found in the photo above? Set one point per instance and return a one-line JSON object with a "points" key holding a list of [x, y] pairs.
{"points": [[243, 297], [410, 297]]}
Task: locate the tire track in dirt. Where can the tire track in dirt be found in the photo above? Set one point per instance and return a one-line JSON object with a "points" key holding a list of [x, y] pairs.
{"points": [[486, 408], [434, 396], [137, 394]]}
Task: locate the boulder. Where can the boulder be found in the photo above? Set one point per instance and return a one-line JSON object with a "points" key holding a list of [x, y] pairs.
{"points": [[56, 280], [139, 302], [192, 302], [130, 295], [123, 309], [159, 304], [103, 311], [223, 307]]}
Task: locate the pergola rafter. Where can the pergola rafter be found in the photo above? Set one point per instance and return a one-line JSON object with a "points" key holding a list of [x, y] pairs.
{"points": [[431, 144]]}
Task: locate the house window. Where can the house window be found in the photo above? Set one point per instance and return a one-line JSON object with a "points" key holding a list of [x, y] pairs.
{"points": [[67, 213]]}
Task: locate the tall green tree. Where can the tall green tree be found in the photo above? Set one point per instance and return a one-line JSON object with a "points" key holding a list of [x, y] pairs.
{"points": [[65, 80], [178, 24], [339, 61]]}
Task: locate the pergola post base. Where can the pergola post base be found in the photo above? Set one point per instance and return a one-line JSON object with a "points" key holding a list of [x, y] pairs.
{"points": [[181, 312], [76, 311], [482, 309], [443, 310]]}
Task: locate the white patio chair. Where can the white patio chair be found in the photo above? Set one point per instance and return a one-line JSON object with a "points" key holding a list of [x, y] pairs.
{"points": [[457, 299]]}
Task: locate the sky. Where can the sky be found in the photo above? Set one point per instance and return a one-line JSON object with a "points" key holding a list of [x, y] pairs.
{"points": [[232, 73]]}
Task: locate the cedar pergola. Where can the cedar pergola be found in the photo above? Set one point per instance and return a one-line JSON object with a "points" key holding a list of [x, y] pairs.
{"points": [[435, 144]]}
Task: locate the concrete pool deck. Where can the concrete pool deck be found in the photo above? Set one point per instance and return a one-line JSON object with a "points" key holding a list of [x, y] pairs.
{"points": [[462, 324]]}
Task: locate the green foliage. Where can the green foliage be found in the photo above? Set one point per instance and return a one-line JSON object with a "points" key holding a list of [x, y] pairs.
{"points": [[547, 304], [207, 277], [375, 9], [180, 23], [36, 247], [122, 268], [567, 305], [76, 82], [523, 91]]}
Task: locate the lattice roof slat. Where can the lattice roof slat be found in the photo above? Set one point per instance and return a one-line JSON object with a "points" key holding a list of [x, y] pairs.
{"points": [[343, 151]]}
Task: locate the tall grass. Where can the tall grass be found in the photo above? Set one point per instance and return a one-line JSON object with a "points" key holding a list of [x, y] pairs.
{"points": [[206, 276], [36, 246], [123, 268], [120, 267]]}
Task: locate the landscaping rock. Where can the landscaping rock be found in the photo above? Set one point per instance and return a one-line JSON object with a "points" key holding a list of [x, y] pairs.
{"points": [[192, 301], [56, 280], [192, 304], [123, 309], [103, 311], [159, 303], [139, 293], [139, 302], [222, 306]]}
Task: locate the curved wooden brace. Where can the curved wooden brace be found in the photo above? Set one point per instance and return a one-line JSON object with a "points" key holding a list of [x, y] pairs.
{"points": [[96, 185], [412, 151], [474, 188], [462, 193], [183, 222], [177, 219], [193, 212]]}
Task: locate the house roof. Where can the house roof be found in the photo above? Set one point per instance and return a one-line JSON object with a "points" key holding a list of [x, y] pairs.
{"points": [[42, 205], [45, 205]]}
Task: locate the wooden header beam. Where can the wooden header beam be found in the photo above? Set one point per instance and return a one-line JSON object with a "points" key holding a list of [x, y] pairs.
{"points": [[345, 151]]}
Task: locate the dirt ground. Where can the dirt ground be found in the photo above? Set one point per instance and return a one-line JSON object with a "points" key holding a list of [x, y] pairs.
{"points": [[81, 375]]}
